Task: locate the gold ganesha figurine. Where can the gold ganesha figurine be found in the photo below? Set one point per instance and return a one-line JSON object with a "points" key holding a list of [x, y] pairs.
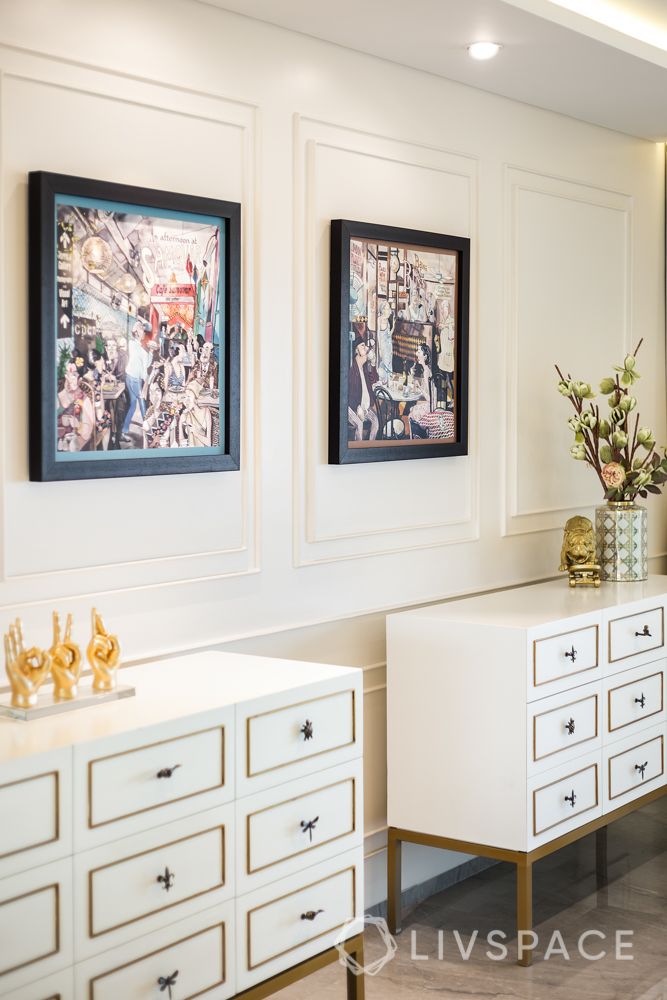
{"points": [[26, 668], [577, 554], [65, 661], [103, 655]]}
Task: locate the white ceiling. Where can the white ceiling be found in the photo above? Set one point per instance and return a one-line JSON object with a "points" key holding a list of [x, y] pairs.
{"points": [[552, 56]]}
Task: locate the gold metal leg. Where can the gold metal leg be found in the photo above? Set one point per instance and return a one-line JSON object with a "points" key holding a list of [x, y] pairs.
{"points": [[601, 856], [356, 986], [524, 911], [394, 882]]}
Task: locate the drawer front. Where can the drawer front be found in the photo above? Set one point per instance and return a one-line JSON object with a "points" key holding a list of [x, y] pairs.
{"points": [[194, 957], [287, 921], [37, 793], [636, 635], [124, 785], [281, 737], [144, 882], [568, 656], [283, 829], [635, 699], [567, 801], [59, 986], [638, 769], [564, 725], [35, 924]]}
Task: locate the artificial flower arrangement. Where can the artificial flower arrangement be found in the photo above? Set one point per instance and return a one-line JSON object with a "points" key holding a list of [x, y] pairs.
{"points": [[622, 453]]}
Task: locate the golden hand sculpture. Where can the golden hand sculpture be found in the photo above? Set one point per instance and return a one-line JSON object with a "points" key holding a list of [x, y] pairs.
{"points": [[26, 668], [65, 661], [103, 655]]}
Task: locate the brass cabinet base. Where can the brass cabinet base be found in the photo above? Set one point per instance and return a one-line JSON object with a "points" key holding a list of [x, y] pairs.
{"points": [[523, 860], [355, 984]]}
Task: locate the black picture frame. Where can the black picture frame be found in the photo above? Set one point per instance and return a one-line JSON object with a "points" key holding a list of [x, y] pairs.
{"points": [[43, 313], [340, 450]]}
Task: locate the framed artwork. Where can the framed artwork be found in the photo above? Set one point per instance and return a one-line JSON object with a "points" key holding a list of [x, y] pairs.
{"points": [[134, 321], [398, 344]]}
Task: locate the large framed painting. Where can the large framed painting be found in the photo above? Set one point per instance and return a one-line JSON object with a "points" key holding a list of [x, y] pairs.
{"points": [[398, 343], [134, 330]]}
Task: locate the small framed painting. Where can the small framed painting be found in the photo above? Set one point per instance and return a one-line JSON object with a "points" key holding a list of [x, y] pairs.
{"points": [[134, 331], [398, 344]]}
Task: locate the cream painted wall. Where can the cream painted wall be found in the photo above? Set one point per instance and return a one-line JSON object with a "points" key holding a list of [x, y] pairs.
{"points": [[566, 223]]}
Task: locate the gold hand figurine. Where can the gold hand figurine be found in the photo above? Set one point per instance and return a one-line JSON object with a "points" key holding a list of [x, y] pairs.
{"points": [[65, 661], [26, 668], [103, 655]]}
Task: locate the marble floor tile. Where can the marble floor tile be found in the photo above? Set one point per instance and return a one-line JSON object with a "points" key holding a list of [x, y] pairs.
{"points": [[565, 900]]}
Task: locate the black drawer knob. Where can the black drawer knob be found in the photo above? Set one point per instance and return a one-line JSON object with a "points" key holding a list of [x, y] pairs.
{"points": [[641, 768], [641, 701], [166, 982], [644, 632], [569, 725], [166, 880], [571, 654], [307, 730], [311, 914], [166, 772], [571, 798], [307, 826]]}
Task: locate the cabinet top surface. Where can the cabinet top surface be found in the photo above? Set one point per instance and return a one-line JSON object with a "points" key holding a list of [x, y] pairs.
{"points": [[167, 690], [540, 604]]}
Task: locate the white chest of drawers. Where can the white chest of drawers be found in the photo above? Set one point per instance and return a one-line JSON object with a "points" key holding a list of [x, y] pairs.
{"points": [[201, 839], [523, 719]]}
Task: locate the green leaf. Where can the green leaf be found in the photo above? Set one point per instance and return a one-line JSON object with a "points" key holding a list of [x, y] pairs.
{"points": [[653, 489]]}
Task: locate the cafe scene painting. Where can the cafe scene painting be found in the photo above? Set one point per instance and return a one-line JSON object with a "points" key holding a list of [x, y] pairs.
{"points": [[403, 347], [138, 330]]}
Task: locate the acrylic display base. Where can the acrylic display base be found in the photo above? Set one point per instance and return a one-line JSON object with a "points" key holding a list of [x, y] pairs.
{"points": [[47, 705]]}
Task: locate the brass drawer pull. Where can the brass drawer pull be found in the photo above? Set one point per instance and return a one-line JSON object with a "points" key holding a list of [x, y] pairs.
{"points": [[644, 632], [571, 798], [166, 982], [641, 768], [570, 726], [572, 654], [309, 826], [307, 730], [311, 914], [166, 772], [166, 880], [641, 701]]}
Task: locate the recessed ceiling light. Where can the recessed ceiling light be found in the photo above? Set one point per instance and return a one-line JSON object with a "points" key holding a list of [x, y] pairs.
{"points": [[484, 50]]}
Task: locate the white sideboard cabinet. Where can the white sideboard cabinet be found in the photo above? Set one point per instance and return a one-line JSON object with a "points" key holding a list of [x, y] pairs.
{"points": [[203, 838], [521, 720]]}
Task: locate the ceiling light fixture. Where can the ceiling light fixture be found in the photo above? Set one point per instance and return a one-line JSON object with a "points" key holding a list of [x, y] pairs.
{"points": [[484, 50]]}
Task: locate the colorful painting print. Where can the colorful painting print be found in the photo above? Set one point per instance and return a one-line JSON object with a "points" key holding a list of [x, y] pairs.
{"points": [[399, 343], [134, 339]]}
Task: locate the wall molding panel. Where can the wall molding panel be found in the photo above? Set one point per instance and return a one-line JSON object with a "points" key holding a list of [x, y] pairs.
{"points": [[317, 538]]}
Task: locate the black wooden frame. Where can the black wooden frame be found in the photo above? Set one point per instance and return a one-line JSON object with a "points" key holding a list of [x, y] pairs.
{"points": [[42, 190], [342, 230]]}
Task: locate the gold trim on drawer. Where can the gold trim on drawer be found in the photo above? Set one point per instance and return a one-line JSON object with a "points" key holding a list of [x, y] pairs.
{"points": [[621, 753], [312, 847], [159, 805], [51, 840], [55, 887], [582, 770], [310, 756], [571, 673], [160, 909], [279, 899], [575, 743], [619, 687], [168, 947], [644, 649]]}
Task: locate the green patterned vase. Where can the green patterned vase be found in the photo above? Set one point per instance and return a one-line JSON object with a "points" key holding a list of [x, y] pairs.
{"points": [[621, 530]]}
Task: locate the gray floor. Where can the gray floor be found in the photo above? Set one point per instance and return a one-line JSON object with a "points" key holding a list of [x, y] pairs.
{"points": [[565, 900]]}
